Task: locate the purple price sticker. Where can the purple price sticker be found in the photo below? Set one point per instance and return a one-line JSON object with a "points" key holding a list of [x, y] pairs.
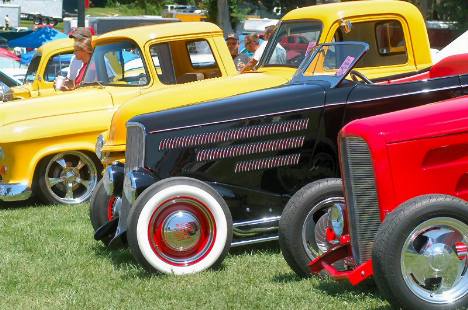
{"points": [[345, 66]]}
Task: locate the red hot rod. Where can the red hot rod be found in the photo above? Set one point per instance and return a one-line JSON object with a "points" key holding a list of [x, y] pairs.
{"points": [[405, 216]]}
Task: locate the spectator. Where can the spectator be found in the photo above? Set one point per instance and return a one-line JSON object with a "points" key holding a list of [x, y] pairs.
{"points": [[83, 52], [79, 34], [240, 60], [278, 56], [7, 22]]}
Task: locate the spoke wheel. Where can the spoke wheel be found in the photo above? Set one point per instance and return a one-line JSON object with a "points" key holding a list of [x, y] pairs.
{"points": [[419, 256], [430, 264], [67, 178]]}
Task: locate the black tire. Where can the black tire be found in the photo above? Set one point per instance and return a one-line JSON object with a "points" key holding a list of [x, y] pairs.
{"points": [[49, 168], [98, 210], [157, 205], [308, 200], [391, 238]]}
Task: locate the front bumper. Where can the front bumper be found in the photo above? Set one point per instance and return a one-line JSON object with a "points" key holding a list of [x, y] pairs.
{"points": [[340, 252], [14, 192]]}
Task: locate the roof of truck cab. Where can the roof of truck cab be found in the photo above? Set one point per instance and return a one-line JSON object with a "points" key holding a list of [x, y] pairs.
{"points": [[145, 33], [329, 13], [56, 45]]}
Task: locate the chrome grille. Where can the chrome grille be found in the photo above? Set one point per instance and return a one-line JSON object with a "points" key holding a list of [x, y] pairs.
{"points": [[135, 151], [361, 196]]}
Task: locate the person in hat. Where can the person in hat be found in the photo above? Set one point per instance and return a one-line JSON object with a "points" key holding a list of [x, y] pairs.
{"points": [[232, 42], [79, 34], [82, 51]]}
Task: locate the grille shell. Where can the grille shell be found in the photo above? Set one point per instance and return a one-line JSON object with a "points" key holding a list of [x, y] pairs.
{"points": [[361, 196], [135, 150]]}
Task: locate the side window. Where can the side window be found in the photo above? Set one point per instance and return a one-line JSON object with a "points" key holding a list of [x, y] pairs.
{"points": [[162, 62], [390, 38], [58, 65], [386, 41], [200, 54]]}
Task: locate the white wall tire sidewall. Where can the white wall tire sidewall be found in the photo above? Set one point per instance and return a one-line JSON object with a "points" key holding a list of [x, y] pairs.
{"points": [[154, 202]]}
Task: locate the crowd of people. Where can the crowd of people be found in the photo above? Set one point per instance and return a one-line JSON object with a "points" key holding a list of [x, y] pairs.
{"points": [[248, 58]]}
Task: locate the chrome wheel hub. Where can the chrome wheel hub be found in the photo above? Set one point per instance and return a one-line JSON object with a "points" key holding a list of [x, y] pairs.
{"points": [[71, 177], [314, 237], [181, 231], [430, 263]]}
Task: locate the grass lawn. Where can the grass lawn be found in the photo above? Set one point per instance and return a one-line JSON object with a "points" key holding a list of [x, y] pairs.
{"points": [[50, 260]]}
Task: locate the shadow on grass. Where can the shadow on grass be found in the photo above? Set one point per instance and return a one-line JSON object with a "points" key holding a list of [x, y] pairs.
{"points": [[29, 203]]}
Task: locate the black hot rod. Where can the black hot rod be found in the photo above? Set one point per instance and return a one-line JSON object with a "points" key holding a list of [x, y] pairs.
{"points": [[200, 179]]}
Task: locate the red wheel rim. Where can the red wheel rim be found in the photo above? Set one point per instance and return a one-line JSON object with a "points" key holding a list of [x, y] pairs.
{"points": [[110, 207], [182, 231]]}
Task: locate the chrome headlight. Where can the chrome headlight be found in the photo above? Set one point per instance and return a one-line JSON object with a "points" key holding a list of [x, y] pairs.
{"points": [[336, 217], [2, 154], [99, 145], [129, 187]]}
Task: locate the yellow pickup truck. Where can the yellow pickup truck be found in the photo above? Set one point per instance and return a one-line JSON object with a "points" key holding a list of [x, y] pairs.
{"points": [[47, 143], [51, 59]]}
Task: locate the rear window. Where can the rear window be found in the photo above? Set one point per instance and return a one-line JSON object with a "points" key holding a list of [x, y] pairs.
{"points": [[200, 54], [390, 38]]}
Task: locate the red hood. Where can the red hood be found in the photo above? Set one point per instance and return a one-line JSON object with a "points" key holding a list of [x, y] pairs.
{"points": [[435, 119]]}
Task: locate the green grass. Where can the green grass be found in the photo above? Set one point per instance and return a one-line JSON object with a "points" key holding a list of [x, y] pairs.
{"points": [[50, 260]]}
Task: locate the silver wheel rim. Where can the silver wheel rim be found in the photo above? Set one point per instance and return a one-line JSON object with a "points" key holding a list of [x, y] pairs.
{"points": [[314, 239], [430, 265], [70, 177]]}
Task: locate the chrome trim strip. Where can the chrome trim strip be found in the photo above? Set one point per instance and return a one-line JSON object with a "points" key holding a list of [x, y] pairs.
{"points": [[256, 222], [250, 148], [239, 133], [405, 94], [253, 241], [267, 163], [14, 192], [237, 119]]}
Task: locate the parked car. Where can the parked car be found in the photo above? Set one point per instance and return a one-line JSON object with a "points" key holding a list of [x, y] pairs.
{"points": [[47, 144], [403, 218], [200, 179], [49, 61], [357, 20], [347, 21]]}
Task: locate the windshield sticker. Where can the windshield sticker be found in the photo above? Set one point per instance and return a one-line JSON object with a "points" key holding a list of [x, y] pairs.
{"points": [[310, 47], [345, 66]]}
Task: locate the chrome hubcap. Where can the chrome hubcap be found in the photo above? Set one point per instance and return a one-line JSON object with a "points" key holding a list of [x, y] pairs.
{"points": [[71, 177], [181, 231], [314, 238], [430, 263]]}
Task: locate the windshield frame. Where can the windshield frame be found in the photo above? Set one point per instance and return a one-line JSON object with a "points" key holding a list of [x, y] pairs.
{"points": [[334, 81], [36, 60], [269, 49], [143, 58]]}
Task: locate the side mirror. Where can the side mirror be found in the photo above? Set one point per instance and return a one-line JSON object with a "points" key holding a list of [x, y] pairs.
{"points": [[346, 26]]}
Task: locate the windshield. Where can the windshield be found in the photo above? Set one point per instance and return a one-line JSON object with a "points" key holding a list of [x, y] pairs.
{"points": [[117, 64], [331, 62], [291, 42], [32, 69]]}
